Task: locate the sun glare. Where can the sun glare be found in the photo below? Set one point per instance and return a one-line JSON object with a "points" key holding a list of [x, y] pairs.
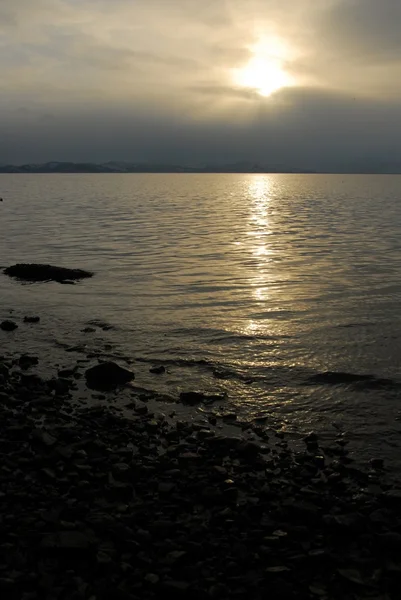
{"points": [[265, 71]]}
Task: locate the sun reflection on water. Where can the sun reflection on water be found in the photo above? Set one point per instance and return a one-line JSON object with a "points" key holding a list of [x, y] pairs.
{"points": [[259, 228], [259, 224]]}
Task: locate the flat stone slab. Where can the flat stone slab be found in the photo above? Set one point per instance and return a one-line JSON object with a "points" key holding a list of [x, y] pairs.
{"points": [[39, 272]]}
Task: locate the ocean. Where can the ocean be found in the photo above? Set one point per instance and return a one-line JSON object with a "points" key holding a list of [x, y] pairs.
{"points": [[257, 285]]}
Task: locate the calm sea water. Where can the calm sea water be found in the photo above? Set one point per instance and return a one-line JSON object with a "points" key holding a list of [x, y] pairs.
{"points": [[274, 278]]}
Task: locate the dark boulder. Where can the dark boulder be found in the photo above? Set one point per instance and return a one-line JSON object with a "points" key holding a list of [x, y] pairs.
{"points": [[37, 272], [8, 325], [28, 319], [107, 375], [25, 361]]}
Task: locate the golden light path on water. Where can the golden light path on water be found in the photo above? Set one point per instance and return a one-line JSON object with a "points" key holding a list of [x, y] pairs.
{"points": [[259, 192]]}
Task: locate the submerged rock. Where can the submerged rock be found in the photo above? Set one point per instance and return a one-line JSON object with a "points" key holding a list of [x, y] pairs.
{"points": [[356, 379], [338, 378], [193, 398], [157, 370], [38, 272], [28, 319], [8, 325], [107, 375]]}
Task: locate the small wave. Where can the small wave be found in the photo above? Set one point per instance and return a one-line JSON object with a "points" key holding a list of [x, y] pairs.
{"points": [[351, 325], [364, 381], [179, 362], [218, 370], [215, 336]]}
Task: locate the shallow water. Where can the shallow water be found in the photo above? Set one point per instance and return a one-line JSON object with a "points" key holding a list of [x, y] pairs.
{"points": [[273, 278]]}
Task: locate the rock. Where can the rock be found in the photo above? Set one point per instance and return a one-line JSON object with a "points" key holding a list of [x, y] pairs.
{"points": [[221, 374], [65, 373], [165, 487], [42, 436], [101, 325], [8, 325], [224, 443], [39, 272], [66, 540], [393, 497], [389, 541], [60, 386], [88, 330], [122, 471], [229, 417], [25, 361], [152, 578], [338, 378], [249, 450], [353, 575], [4, 371], [376, 463], [174, 556], [31, 319], [107, 375], [193, 398], [119, 490], [158, 370], [352, 521], [319, 461], [31, 380], [175, 586]]}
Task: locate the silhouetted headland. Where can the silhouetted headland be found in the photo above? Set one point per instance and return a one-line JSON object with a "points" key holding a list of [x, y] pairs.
{"points": [[127, 167]]}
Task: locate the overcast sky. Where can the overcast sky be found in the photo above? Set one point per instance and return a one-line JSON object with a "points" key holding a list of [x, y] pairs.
{"points": [[157, 80]]}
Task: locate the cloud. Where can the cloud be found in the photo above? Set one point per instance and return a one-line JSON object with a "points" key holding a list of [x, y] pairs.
{"points": [[303, 128], [90, 78], [367, 31]]}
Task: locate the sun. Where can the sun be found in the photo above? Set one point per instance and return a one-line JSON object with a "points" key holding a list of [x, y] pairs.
{"points": [[265, 72]]}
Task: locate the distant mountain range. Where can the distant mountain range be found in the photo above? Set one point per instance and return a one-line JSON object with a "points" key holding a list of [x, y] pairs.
{"points": [[126, 167]]}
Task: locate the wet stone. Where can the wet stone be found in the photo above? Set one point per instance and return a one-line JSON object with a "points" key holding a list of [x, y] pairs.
{"points": [[26, 361], [8, 325], [376, 463], [66, 373], [165, 487], [389, 541], [33, 319], [157, 370], [42, 436], [67, 540], [107, 375]]}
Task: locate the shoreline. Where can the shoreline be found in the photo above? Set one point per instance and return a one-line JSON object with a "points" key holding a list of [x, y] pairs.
{"points": [[96, 505]]}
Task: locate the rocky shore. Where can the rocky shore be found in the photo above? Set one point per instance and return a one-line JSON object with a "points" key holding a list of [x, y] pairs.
{"points": [[98, 506]]}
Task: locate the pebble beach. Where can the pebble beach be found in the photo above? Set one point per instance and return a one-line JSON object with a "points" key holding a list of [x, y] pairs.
{"points": [[101, 503]]}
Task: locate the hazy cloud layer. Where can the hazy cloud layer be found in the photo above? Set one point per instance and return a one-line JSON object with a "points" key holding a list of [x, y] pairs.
{"points": [[152, 80]]}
